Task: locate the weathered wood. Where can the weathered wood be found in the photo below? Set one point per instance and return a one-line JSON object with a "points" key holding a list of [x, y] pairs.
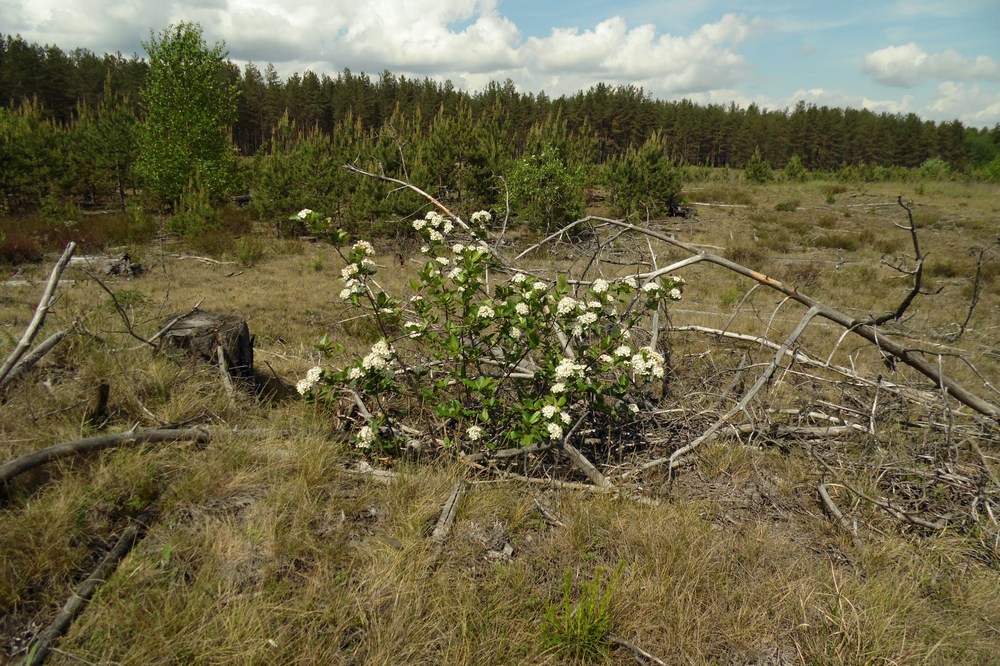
{"points": [[108, 265], [29, 461], [200, 334]]}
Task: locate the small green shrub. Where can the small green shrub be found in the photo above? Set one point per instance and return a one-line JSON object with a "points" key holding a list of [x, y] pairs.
{"points": [[758, 170], [795, 171], [787, 206], [722, 193], [579, 630], [249, 250]]}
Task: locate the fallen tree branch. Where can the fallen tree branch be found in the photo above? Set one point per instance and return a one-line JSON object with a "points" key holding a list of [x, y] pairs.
{"points": [[447, 518], [35, 355], [673, 460], [640, 655], [29, 461], [39, 650], [585, 466], [831, 507], [41, 310], [862, 328]]}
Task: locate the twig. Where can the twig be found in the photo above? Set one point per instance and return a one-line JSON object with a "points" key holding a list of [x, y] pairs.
{"points": [[121, 311], [640, 655], [29, 461], [672, 460], [547, 515], [447, 518], [75, 604], [848, 526], [42, 309]]}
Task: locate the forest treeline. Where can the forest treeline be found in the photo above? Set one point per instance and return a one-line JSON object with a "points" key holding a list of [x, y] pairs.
{"points": [[67, 122]]}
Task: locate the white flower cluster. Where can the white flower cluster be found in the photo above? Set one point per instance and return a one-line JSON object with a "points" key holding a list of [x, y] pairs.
{"points": [[380, 357], [352, 273], [647, 363], [567, 369], [567, 304], [485, 312], [474, 433], [304, 213], [435, 225], [481, 217], [366, 436], [311, 379], [599, 286]]}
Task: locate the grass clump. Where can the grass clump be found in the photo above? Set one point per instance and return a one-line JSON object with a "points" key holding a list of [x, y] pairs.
{"points": [[579, 630]]}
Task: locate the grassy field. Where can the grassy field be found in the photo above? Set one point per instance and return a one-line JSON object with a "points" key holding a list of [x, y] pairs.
{"points": [[271, 545]]}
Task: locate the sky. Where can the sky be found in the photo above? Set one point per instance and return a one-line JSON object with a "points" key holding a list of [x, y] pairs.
{"points": [[939, 59]]}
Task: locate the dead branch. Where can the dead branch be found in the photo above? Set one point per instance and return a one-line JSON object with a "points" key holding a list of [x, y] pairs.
{"points": [[39, 650], [673, 460], [842, 521], [585, 466], [917, 274], [911, 357], [46, 302], [28, 361], [640, 655], [547, 514], [29, 461], [447, 518], [129, 327], [973, 302]]}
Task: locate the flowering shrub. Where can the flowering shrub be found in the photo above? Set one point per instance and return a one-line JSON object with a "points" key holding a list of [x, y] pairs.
{"points": [[475, 360]]}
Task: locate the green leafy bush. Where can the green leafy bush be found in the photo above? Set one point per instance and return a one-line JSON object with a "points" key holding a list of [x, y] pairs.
{"points": [[545, 191]]}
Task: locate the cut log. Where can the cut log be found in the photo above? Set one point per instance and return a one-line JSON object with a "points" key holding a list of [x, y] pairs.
{"points": [[110, 266], [200, 334]]}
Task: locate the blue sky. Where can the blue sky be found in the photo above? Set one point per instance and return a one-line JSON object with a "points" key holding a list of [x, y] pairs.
{"points": [[939, 59]]}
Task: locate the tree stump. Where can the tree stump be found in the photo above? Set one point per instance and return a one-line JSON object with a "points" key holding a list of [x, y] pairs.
{"points": [[200, 334]]}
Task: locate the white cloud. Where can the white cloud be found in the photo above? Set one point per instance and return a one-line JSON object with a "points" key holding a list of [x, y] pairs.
{"points": [[908, 66], [972, 105]]}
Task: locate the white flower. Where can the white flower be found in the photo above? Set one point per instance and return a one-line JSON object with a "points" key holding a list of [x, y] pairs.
{"points": [[630, 281], [442, 260], [623, 350], [555, 430], [458, 248], [558, 387], [607, 360], [448, 226], [515, 333], [346, 293], [367, 265], [634, 408], [539, 286], [675, 294], [519, 278], [485, 312], [481, 217], [354, 373], [594, 305], [303, 387], [474, 433], [548, 411], [567, 369], [650, 287], [365, 247], [600, 286], [455, 273], [365, 437], [419, 224], [521, 309], [577, 330], [314, 374], [433, 217], [566, 418], [587, 318], [424, 249], [566, 305], [349, 271], [435, 235], [304, 213]]}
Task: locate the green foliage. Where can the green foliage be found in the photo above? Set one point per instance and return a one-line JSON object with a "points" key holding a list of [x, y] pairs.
{"points": [[249, 251], [935, 168], [795, 171], [546, 192], [55, 210], [643, 181], [462, 343], [579, 630], [189, 106], [195, 212], [31, 154], [758, 170], [787, 206]]}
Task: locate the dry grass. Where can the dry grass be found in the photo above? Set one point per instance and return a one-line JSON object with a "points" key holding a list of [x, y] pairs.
{"points": [[267, 549]]}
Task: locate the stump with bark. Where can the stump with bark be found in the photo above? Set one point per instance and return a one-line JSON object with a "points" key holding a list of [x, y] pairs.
{"points": [[200, 334]]}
